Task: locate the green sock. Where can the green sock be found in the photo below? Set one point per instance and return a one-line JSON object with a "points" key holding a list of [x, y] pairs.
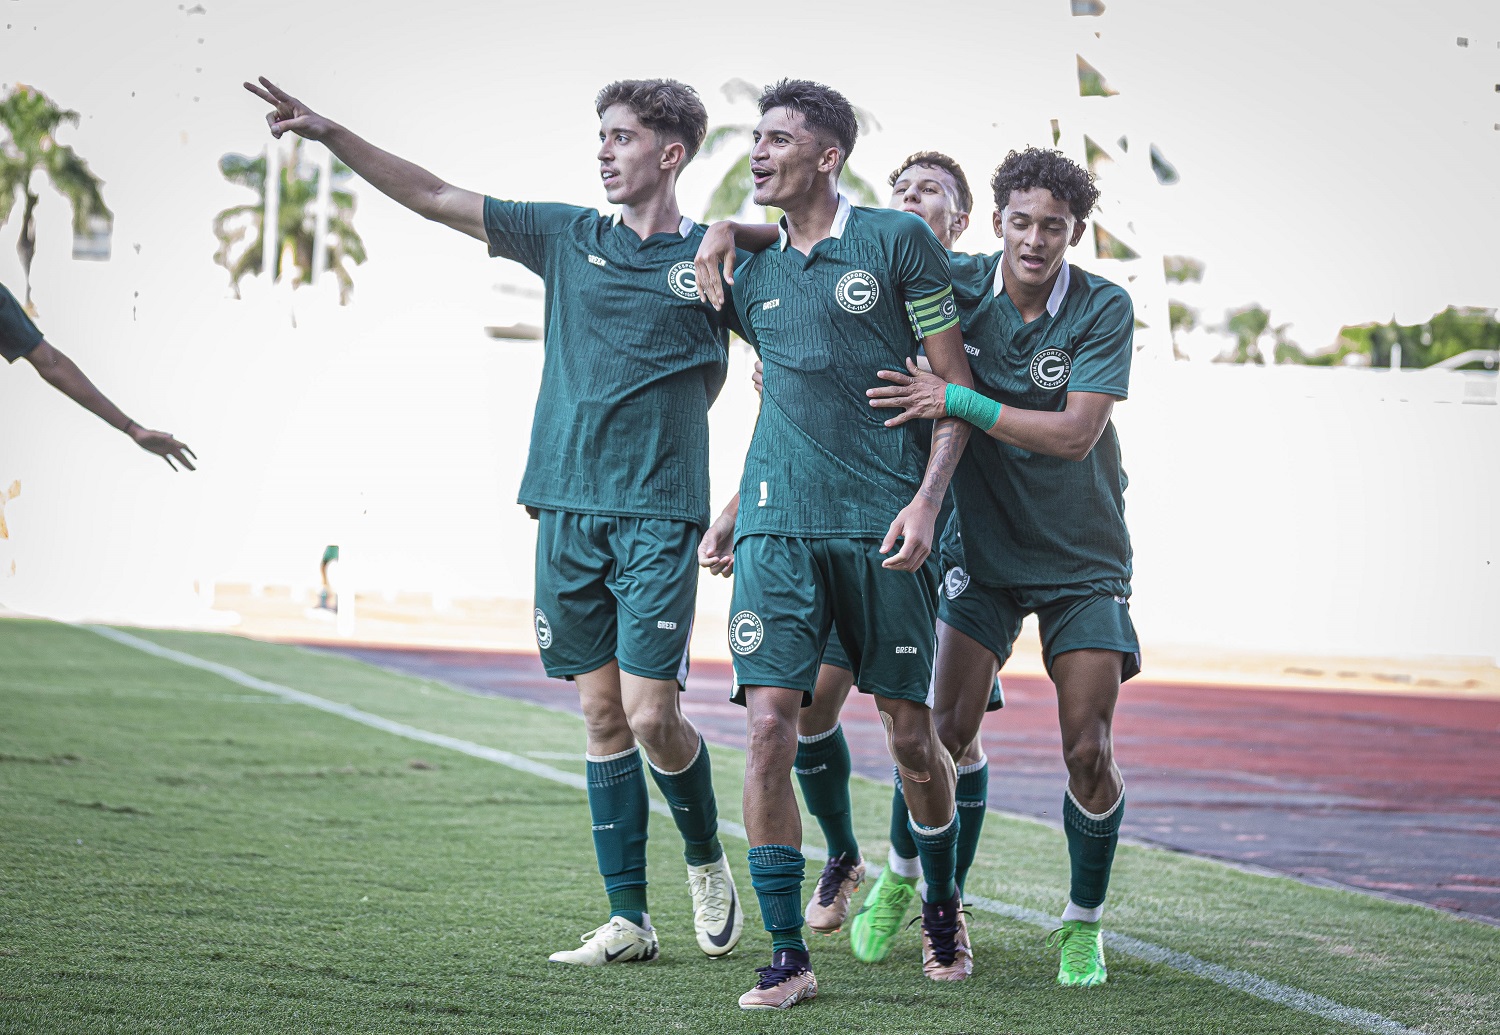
{"points": [[1091, 849], [938, 849], [901, 842], [776, 873], [618, 807], [823, 771], [973, 795], [690, 793]]}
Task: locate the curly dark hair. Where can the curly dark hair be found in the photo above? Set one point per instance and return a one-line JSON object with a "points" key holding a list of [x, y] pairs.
{"points": [[665, 106], [827, 111], [1052, 170], [938, 160]]}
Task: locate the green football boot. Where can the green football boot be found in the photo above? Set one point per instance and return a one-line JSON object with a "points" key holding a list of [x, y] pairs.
{"points": [[878, 920], [1082, 945]]}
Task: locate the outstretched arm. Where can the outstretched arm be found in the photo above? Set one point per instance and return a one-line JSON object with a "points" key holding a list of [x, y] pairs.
{"points": [[403, 182], [915, 524], [1069, 433], [717, 250], [63, 374]]}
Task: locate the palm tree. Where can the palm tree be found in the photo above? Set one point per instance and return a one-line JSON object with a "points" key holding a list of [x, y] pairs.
{"points": [[31, 121], [731, 192], [240, 229]]}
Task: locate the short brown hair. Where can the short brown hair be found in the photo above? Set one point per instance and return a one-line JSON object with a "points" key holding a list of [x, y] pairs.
{"points": [[665, 106], [938, 160]]}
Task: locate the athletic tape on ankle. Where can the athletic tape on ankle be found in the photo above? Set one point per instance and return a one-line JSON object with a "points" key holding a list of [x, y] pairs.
{"points": [[967, 404]]}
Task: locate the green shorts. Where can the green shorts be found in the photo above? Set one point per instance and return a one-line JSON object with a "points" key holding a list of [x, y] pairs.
{"points": [[1083, 616], [789, 593], [835, 655], [615, 587]]}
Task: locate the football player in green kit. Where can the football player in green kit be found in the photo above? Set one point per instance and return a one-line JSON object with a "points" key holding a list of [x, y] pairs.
{"points": [[933, 186], [20, 338], [825, 498], [617, 474], [1040, 505]]}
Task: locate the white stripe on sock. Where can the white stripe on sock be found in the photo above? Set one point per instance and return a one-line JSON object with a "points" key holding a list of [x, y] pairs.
{"points": [[685, 768], [611, 758], [819, 736], [1103, 815]]}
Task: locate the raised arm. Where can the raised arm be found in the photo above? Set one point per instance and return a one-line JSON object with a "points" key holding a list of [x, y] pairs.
{"points": [[403, 182], [63, 374], [915, 523], [717, 251]]}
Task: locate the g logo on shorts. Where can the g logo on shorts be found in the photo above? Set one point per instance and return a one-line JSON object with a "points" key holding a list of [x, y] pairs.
{"points": [[543, 629], [745, 632], [955, 582], [1050, 368], [857, 291], [683, 280]]}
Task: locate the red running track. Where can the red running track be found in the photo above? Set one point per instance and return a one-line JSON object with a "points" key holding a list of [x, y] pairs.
{"points": [[1390, 794]]}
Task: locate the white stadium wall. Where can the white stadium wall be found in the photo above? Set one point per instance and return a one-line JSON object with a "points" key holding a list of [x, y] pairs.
{"points": [[1292, 509]]}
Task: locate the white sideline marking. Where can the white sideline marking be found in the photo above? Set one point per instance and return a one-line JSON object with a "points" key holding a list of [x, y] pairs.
{"points": [[1240, 980]]}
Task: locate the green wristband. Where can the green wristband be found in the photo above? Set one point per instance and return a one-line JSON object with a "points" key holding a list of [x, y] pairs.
{"points": [[967, 404]]}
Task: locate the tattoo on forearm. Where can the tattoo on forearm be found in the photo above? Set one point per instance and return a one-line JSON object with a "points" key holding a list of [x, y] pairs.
{"points": [[949, 436]]}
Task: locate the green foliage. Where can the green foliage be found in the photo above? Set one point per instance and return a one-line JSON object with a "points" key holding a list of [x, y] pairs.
{"points": [[1091, 83], [1181, 269], [1453, 331], [240, 228], [31, 121]]}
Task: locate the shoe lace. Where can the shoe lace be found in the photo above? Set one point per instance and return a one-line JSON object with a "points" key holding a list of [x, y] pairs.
{"points": [[890, 906], [1077, 947], [835, 872], [711, 896], [778, 972], [942, 932]]}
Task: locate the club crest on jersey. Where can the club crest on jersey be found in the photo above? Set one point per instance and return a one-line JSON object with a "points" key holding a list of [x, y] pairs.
{"points": [[1050, 368], [543, 629], [857, 291], [745, 632], [955, 582], [683, 280]]}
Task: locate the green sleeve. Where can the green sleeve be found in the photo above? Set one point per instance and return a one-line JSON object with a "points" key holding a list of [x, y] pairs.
{"points": [[920, 269], [1102, 360], [18, 335], [523, 230]]}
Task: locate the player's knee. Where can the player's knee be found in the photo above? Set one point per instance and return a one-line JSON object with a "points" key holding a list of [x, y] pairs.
{"points": [[911, 748], [769, 736], [655, 723], [952, 733], [1088, 759]]}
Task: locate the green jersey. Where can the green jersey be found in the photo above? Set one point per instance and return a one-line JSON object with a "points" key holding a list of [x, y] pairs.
{"points": [[18, 335], [1027, 519], [632, 362], [822, 463]]}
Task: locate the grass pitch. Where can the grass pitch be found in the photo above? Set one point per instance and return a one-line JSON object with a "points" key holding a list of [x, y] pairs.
{"points": [[179, 853]]}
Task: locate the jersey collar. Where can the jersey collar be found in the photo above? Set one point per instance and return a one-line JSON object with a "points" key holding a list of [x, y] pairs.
{"points": [[840, 221], [684, 228], [1059, 287]]}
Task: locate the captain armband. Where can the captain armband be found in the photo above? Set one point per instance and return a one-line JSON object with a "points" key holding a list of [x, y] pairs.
{"points": [[967, 404], [933, 314]]}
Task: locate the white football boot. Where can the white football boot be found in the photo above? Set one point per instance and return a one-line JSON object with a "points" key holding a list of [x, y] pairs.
{"points": [[717, 916], [618, 941]]}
